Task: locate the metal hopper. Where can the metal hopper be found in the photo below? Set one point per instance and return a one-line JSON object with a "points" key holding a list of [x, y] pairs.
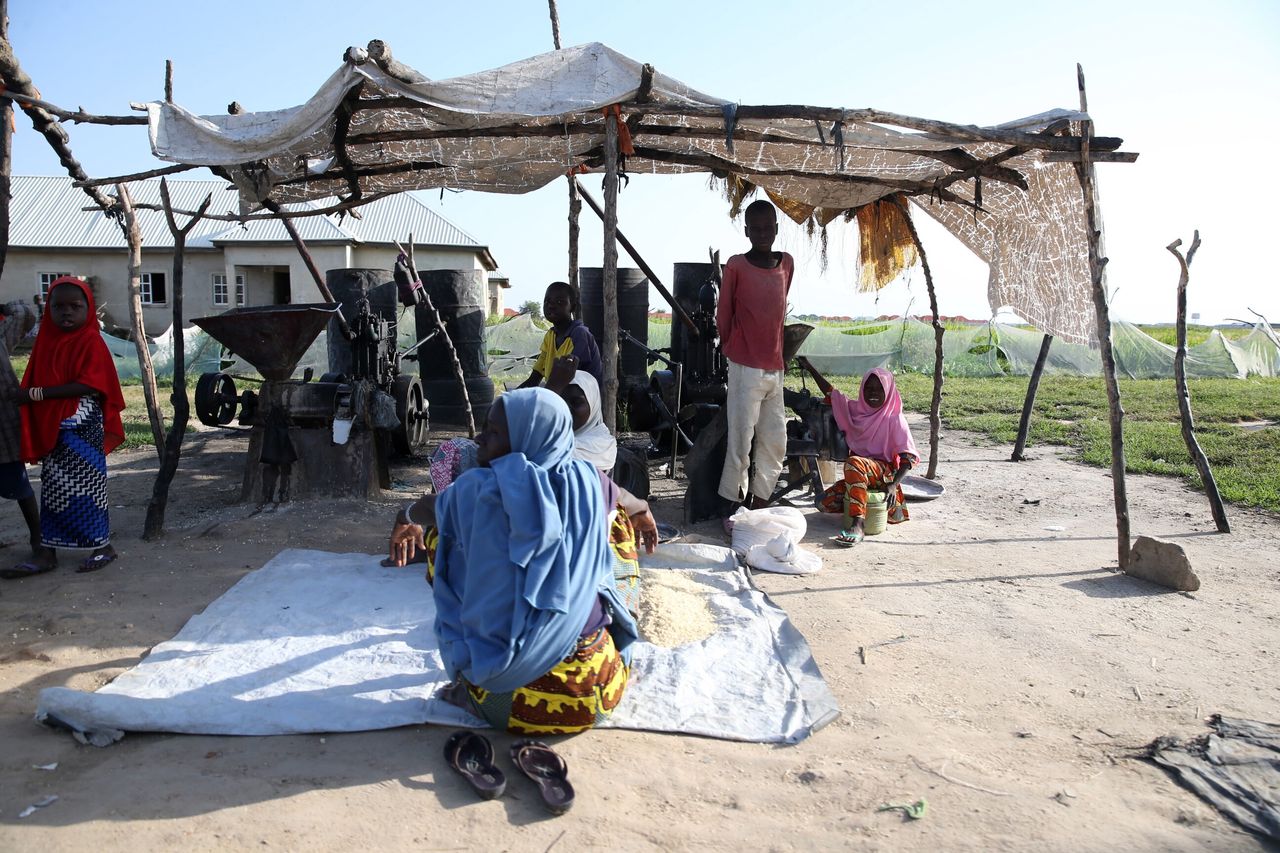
{"points": [[272, 338]]}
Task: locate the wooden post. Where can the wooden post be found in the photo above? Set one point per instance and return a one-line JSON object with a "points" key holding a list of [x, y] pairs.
{"points": [[321, 284], [1098, 275], [133, 237], [1184, 394], [153, 527], [935, 403], [444, 335], [1024, 425], [6, 148], [609, 346], [575, 209]]}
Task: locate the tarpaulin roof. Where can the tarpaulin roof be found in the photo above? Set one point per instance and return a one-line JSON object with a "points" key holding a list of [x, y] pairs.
{"points": [[1010, 192]]}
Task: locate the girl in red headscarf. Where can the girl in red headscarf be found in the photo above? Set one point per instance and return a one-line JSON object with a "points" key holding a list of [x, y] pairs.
{"points": [[881, 450], [71, 404]]}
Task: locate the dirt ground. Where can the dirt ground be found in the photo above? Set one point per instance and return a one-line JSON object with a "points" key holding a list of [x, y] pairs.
{"points": [[1027, 679]]}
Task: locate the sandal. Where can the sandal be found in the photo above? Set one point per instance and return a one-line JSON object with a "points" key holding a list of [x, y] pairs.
{"points": [[547, 769], [97, 561], [28, 569], [847, 538], [471, 755]]}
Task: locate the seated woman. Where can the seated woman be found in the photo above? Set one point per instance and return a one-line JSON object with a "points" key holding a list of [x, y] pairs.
{"points": [[881, 450], [631, 523], [527, 616]]}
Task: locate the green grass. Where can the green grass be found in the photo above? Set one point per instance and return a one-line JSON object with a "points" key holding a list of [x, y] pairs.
{"points": [[1072, 411]]}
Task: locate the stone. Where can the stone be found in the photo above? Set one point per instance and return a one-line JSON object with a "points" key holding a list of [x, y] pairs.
{"points": [[1162, 563]]}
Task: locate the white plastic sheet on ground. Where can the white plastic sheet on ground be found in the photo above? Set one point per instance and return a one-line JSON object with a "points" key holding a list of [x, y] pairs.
{"points": [[321, 642]]}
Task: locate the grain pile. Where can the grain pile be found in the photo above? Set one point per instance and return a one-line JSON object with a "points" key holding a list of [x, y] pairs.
{"points": [[673, 608]]}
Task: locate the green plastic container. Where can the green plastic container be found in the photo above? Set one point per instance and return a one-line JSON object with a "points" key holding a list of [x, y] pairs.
{"points": [[877, 514]]}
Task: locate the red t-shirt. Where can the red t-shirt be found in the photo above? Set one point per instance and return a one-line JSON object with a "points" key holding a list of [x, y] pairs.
{"points": [[752, 309]]}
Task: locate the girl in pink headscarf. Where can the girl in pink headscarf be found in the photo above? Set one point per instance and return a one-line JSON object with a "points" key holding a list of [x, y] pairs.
{"points": [[881, 450]]}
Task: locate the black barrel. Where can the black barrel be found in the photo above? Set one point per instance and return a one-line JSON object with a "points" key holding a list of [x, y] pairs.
{"points": [[459, 296], [347, 287], [687, 281], [633, 314]]}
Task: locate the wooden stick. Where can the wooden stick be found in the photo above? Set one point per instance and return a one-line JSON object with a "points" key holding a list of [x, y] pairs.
{"points": [[168, 81], [284, 214], [1184, 394], [575, 210], [316, 275], [380, 53], [6, 149], [133, 236], [645, 268], [74, 116], [935, 403], [1097, 274], [1024, 425], [425, 298], [609, 346], [136, 176], [153, 527], [555, 27]]}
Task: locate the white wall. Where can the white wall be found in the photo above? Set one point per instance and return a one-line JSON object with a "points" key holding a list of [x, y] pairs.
{"points": [[110, 269]]}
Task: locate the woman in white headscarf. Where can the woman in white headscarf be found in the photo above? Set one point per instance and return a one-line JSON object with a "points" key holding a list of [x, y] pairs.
{"points": [[592, 440]]}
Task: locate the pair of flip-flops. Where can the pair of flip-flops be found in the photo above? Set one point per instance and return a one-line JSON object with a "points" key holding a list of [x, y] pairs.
{"points": [[471, 754], [847, 538], [30, 568]]}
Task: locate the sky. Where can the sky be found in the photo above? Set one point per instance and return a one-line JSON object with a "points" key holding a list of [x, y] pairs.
{"points": [[1171, 78]]}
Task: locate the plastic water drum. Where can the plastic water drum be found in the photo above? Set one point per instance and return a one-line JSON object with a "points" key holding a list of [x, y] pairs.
{"points": [[877, 514]]}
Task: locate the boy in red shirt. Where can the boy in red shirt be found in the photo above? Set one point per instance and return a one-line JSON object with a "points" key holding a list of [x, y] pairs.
{"points": [[750, 316]]}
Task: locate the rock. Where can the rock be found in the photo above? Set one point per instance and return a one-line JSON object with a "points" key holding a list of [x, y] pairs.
{"points": [[1162, 562]]}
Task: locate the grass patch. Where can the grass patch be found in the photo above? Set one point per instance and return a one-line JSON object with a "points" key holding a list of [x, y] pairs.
{"points": [[1072, 412]]}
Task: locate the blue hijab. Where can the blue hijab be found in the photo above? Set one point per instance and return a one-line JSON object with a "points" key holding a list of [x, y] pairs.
{"points": [[523, 553]]}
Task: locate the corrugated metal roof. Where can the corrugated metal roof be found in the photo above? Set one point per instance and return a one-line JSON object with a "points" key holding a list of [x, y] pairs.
{"points": [[46, 213]]}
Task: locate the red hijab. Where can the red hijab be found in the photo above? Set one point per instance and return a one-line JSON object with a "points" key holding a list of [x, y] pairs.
{"points": [[60, 357]]}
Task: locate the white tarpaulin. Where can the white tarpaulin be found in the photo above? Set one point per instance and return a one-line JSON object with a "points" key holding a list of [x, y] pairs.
{"points": [[517, 128], [321, 642]]}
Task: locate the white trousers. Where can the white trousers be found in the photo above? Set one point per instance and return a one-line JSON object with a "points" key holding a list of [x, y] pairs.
{"points": [[754, 408]]}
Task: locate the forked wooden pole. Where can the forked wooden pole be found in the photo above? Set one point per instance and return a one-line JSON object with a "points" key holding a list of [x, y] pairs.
{"points": [[1184, 394], [133, 237]]}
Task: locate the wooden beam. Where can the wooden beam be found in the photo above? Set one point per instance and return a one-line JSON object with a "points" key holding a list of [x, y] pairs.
{"points": [[74, 116], [1184, 394], [1098, 277], [133, 237], [935, 402], [316, 275], [1095, 156], [609, 346], [136, 176]]}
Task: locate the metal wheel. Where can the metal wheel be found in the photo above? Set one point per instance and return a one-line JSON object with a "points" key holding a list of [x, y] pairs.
{"points": [[216, 399], [411, 409]]}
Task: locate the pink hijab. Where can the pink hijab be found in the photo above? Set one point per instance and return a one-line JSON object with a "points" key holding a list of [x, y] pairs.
{"points": [[874, 433]]}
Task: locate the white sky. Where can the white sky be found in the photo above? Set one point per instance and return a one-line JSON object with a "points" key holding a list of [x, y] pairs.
{"points": [[1171, 78]]}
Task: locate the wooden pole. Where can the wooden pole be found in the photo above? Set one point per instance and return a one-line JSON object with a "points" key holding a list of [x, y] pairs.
{"points": [[609, 346], [555, 24], [1184, 394], [1024, 425], [935, 403], [133, 237], [6, 148], [153, 527], [1098, 274], [321, 285], [425, 299], [676, 307], [575, 210]]}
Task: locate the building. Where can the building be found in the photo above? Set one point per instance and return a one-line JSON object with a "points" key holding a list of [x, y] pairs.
{"points": [[227, 264], [498, 282]]}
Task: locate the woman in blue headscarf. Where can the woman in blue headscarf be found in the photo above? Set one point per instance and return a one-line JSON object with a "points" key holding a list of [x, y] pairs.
{"points": [[527, 616]]}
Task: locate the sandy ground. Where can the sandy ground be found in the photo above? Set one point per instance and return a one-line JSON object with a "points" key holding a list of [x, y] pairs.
{"points": [[1028, 679]]}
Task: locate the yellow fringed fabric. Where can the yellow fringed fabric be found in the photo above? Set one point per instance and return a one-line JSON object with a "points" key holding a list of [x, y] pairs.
{"points": [[885, 245]]}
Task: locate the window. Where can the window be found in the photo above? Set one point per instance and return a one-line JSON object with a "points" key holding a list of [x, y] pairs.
{"points": [[48, 278], [153, 292], [239, 291], [220, 288]]}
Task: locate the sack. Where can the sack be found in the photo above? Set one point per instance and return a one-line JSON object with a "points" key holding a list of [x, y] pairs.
{"points": [[769, 540], [782, 555], [758, 526]]}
